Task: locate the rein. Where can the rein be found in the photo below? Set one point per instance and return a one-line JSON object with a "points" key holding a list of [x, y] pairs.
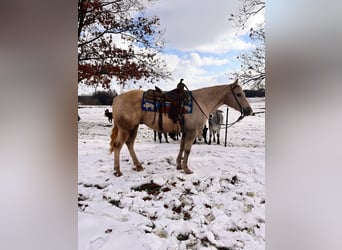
{"points": [[197, 103]]}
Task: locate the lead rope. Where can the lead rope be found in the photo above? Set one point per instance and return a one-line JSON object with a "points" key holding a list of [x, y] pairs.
{"points": [[240, 118], [231, 124]]}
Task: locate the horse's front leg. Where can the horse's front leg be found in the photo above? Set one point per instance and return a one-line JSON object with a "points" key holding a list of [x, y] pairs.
{"points": [[180, 153], [188, 142]]}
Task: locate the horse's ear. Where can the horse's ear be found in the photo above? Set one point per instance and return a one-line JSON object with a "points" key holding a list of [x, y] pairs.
{"points": [[235, 83]]}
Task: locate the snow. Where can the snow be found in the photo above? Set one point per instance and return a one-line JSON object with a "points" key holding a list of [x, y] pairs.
{"points": [[220, 205]]}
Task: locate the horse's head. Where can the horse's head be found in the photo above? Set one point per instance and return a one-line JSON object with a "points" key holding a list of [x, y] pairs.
{"points": [[238, 99]]}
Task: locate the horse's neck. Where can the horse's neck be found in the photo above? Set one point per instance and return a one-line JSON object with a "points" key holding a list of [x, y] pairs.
{"points": [[211, 98]]}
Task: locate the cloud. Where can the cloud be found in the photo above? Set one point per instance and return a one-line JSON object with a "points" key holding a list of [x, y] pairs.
{"points": [[194, 25], [197, 60], [197, 70], [224, 44]]}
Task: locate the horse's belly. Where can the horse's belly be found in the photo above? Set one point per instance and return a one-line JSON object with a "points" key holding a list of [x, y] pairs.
{"points": [[151, 119]]}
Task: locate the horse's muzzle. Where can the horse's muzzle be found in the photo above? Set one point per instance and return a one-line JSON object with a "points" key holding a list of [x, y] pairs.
{"points": [[247, 111]]}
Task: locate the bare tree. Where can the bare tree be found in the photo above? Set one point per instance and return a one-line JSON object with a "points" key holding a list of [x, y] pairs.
{"points": [[102, 24], [252, 71]]}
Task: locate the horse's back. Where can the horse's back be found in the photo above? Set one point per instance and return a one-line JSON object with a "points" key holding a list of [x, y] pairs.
{"points": [[129, 96], [127, 100]]}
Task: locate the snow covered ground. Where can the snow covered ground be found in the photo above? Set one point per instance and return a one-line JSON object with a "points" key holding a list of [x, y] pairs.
{"points": [[220, 206]]}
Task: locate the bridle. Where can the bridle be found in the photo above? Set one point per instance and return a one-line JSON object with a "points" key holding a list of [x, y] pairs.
{"points": [[242, 115], [237, 100]]}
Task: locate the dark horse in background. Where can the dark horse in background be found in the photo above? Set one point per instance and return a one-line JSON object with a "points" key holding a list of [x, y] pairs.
{"points": [[109, 115], [160, 136], [128, 114]]}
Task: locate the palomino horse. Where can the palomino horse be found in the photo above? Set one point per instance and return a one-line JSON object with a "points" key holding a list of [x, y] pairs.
{"points": [[128, 114]]}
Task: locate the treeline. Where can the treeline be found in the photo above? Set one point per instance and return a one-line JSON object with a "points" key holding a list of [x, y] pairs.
{"points": [[106, 98], [98, 98], [255, 93]]}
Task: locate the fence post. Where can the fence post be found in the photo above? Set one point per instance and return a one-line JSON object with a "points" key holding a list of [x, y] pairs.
{"points": [[225, 137]]}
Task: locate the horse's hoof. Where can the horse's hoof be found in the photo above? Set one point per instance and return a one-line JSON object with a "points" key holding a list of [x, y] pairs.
{"points": [[188, 171], [139, 168], [179, 167], [118, 174]]}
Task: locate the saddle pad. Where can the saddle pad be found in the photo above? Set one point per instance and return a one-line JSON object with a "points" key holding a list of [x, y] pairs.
{"points": [[153, 106]]}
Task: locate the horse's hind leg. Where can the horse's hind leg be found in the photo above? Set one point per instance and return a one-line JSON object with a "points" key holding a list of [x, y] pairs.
{"points": [[119, 137], [130, 146]]}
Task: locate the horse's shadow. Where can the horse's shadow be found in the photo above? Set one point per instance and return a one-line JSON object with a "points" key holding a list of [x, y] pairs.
{"points": [[106, 126]]}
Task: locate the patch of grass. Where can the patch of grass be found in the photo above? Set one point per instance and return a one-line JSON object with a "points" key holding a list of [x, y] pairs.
{"points": [[196, 183], [98, 186], [234, 180], [250, 194], [153, 217], [186, 216], [182, 237], [166, 189], [177, 209], [205, 241], [114, 202], [81, 197], [207, 205], [150, 188]]}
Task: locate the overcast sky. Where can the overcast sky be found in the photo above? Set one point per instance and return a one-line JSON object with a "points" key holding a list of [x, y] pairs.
{"points": [[201, 44]]}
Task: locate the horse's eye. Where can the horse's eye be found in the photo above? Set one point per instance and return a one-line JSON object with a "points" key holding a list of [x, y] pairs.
{"points": [[238, 95]]}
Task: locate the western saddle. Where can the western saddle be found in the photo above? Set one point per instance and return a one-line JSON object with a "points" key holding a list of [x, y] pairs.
{"points": [[176, 97]]}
